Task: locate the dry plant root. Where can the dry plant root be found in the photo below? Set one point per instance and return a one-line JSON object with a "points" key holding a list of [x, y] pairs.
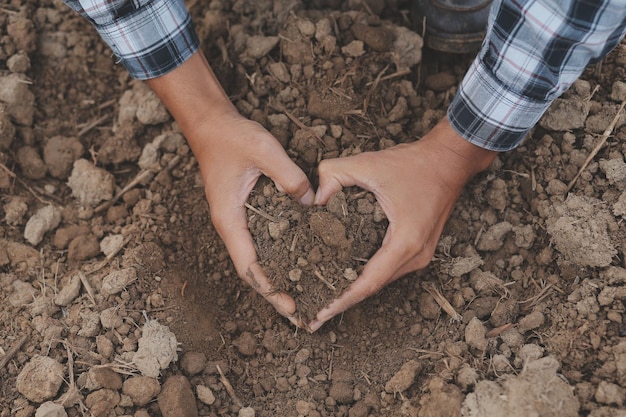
{"points": [[13, 350], [599, 146], [442, 301]]}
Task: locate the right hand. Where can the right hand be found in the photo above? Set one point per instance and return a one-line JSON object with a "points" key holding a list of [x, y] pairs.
{"points": [[417, 185]]}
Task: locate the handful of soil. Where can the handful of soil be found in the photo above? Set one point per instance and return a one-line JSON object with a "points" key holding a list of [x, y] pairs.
{"points": [[314, 253]]}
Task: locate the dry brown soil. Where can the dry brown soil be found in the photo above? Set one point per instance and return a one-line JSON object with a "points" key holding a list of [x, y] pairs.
{"points": [[520, 312]]}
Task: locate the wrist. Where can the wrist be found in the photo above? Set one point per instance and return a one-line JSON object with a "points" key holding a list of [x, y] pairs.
{"points": [[193, 96], [461, 158]]}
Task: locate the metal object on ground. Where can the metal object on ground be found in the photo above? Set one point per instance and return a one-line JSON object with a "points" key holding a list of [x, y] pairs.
{"points": [[453, 26]]}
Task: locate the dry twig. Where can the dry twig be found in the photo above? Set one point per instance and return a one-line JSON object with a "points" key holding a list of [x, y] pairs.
{"points": [[72, 396], [534, 300], [88, 287], [139, 178], [7, 170], [498, 330], [294, 242], [14, 349], [599, 146], [396, 74], [95, 123], [142, 176], [15, 177], [119, 366], [368, 96], [109, 257], [298, 123], [261, 213], [229, 387], [319, 275], [441, 300]]}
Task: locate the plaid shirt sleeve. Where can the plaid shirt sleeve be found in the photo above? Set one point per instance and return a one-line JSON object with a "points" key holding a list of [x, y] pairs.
{"points": [[532, 52], [149, 37]]}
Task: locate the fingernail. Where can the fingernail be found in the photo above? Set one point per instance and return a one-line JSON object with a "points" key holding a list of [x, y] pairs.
{"points": [[296, 321], [315, 325], [308, 198], [317, 199]]}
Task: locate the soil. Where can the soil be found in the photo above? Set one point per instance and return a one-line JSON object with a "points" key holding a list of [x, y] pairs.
{"points": [[327, 246], [117, 296]]}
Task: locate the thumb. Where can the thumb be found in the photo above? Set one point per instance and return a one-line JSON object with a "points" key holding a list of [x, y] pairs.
{"points": [[289, 178], [335, 174]]}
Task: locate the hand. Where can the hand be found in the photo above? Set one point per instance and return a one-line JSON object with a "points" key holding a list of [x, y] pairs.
{"points": [[232, 152], [245, 150], [416, 185]]}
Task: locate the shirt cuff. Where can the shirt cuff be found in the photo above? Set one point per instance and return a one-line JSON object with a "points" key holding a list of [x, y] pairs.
{"points": [[151, 40], [489, 114]]}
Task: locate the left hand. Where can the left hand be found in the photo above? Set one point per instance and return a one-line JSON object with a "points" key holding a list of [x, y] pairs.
{"points": [[232, 152], [240, 152]]}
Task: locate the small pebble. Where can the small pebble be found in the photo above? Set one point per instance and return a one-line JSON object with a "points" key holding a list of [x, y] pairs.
{"points": [[205, 395], [90, 184], [276, 229], [176, 399], [117, 281], [342, 392], [193, 362], [110, 319], [350, 274], [246, 344], [608, 393], [141, 389], [295, 274], [111, 244], [532, 321], [40, 379], [246, 412], [404, 378], [98, 378], [50, 409], [528, 353], [475, 334], [44, 220], [306, 27], [354, 49]]}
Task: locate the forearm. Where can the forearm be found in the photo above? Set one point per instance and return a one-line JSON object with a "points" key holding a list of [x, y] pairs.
{"points": [[157, 43], [533, 52], [195, 98], [461, 158]]}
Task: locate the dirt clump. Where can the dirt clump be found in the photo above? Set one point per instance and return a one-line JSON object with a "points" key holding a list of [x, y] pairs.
{"points": [[327, 247]]}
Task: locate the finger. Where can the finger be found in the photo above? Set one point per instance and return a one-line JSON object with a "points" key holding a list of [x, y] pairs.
{"points": [[381, 269], [233, 229], [334, 174], [284, 304], [290, 178], [390, 262]]}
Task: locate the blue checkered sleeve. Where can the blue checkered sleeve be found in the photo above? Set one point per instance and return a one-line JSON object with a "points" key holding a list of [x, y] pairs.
{"points": [[149, 37], [532, 52]]}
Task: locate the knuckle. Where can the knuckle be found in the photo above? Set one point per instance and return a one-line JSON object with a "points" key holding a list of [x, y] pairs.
{"points": [[324, 167], [415, 247], [421, 263], [296, 184]]}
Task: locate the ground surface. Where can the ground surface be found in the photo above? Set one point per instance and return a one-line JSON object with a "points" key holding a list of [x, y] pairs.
{"points": [[520, 313]]}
